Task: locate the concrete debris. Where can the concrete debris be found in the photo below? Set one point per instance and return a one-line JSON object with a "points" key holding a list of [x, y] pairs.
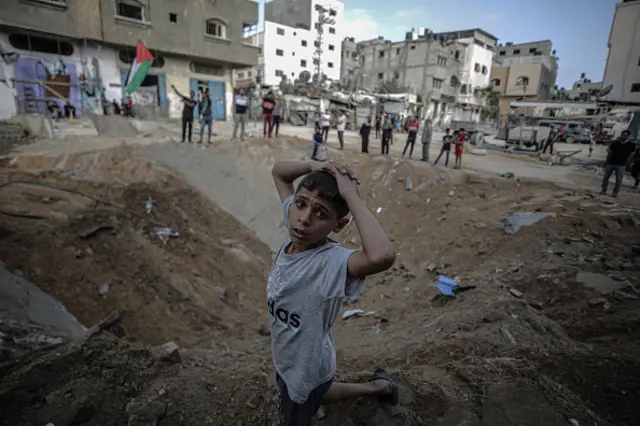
{"points": [[599, 282], [408, 185], [441, 218], [508, 175], [169, 352], [104, 289], [515, 293], [512, 222], [507, 335], [143, 412], [574, 422], [452, 193], [600, 301]]}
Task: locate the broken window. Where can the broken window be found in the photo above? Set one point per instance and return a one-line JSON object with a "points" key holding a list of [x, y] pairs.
{"points": [[216, 28], [130, 9]]}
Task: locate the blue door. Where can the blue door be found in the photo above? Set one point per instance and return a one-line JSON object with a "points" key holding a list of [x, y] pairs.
{"points": [[218, 97]]}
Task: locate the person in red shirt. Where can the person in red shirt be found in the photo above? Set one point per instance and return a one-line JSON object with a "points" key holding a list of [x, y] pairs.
{"points": [[268, 105], [412, 128], [460, 140]]}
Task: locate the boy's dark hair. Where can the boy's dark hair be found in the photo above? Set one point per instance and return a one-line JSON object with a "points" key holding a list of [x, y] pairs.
{"points": [[327, 188], [447, 129]]}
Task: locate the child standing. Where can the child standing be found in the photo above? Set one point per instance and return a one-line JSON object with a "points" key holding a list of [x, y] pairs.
{"points": [[268, 105], [310, 279], [460, 140], [446, 147], [317, 141], [412, 133]]}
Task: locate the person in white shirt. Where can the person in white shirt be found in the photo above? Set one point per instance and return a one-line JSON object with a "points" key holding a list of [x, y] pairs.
{"points": [[326, 125], [342, 125]]}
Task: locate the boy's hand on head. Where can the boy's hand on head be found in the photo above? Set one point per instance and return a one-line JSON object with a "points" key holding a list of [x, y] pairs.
{"points": [[345, 178]]}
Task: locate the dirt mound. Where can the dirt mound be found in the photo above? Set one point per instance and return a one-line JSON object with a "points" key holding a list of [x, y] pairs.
{"points": [[100, 251]]}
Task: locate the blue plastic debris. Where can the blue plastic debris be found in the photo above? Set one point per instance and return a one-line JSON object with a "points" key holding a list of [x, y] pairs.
{"points": [[446, 286]]}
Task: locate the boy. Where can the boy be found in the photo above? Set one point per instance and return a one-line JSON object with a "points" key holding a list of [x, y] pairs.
{"points": [[460, 140], [387, 134], [341, 127], [317, 141], [240, 119], [277, 115], [446, 147], [617, 156], [268, 105], [310, 278], [206, 112], [189, 103], [412, 127]]}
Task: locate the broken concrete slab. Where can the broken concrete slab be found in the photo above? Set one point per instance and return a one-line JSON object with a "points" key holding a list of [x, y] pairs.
{"points": [[599, 282]]}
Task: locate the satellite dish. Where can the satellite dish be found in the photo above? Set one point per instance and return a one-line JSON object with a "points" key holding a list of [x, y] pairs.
{"points": [[605, 91]]}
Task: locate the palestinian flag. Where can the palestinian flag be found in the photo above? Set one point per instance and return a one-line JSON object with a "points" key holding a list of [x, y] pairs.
{"points": [[139, 68]]}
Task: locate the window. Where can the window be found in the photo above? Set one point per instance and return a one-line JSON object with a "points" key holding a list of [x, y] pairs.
{"points": [[398, 51], [516, 51], [316, 43], [532, 50], [437, 83], [173, 18], [127, 57], [249, 30], [413, 47], [280, 31], [279, 52], [295, 33], [496, 82], [241, 74], [279, 73], [380, 76], [216, 28], [457, 55], [381, 54], [332, 47], [330, 64], [522, 81], [293, 53], [635, 88], [249, 73], [502, 53], [354, 55], [396, 75], [41, 44], [130, 9], [442, 61], [454, 81], [316, 61], [476, 67], [304, 43], [333, 12], [332, 30], [484, 69], [303, 63]]}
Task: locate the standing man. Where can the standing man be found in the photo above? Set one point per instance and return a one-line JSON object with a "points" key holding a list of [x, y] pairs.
{"points": [[387, 133], [427, 133], [342, 125], [365, 130], [412, 127], [446, 147], [240, 119], [378, 124], [277, 115], [617, 156], [326, 124], [189, 104], [268, 105], [206, 115]]}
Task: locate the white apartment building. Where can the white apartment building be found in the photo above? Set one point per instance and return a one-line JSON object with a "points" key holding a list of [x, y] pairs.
{"points": [[290, 40], [478, 59], [623, 62]]}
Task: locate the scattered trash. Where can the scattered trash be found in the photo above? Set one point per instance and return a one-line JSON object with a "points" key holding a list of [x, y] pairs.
{"points": [[443, 217], [379, 209], [508, 175], [168, 351], [104, 289], [149, 205], [574, 422], [356, 313], [166, 233], [420, 230], [515, 293], [512, 222], [449, 287], [505, 332], [408, 185], [452, 193]]}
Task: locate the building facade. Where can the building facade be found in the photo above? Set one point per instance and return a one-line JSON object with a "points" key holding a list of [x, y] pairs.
{"points": [[291, 41], [82, 47], [524, 71], [622, 70]]}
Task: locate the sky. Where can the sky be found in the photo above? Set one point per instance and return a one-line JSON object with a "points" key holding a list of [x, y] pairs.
{"points": [[578, 29]]}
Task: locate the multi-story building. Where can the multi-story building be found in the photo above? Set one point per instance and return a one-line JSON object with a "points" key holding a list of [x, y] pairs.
{"points": [[350, 63], [622, 71], [78, 47], [291, 39], [524, 71], [478, 60]]}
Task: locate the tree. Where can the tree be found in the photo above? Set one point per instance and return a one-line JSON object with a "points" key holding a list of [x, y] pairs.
{"points": [[492, 102], [392, 86]]}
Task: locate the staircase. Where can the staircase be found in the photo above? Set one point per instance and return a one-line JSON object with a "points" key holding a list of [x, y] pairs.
{"points": [[75, 127]]}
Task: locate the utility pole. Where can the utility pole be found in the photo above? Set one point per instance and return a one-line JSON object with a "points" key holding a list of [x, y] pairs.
{"points": [[324, 17]]}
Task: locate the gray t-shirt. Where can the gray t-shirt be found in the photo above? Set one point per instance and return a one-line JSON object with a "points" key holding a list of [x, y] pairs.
{"points": [[305, 293]]}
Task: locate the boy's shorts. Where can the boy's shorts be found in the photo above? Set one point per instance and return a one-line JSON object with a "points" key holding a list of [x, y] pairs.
{"points": [[293, 414]]}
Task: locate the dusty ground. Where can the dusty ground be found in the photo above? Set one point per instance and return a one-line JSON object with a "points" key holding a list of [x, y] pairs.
{"points": [[548, 336]]}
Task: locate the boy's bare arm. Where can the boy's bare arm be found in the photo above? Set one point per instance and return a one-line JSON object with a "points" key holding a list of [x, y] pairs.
{"points": [[286, 172]]}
